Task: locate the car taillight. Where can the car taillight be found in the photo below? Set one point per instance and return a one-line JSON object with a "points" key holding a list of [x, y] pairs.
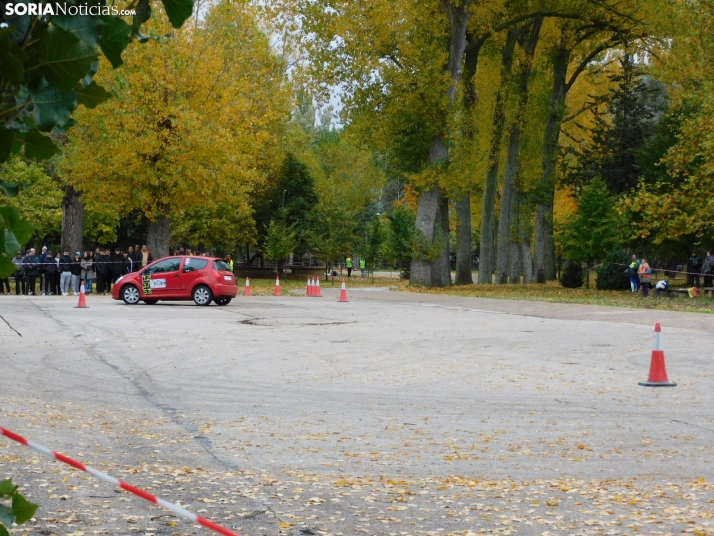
{"points": [[216, 275]]}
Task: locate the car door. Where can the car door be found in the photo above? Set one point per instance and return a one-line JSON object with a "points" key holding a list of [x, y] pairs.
{"points": [[162, 279], [192, 269]]}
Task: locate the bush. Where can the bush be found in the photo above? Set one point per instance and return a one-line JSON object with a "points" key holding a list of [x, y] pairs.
{"points": [[611, 275], [572, 276]]}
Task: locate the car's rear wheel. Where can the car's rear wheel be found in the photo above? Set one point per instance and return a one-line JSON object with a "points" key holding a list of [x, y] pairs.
{"points": [[130, 295], [222, 300], [202, 295], [152, 301]]}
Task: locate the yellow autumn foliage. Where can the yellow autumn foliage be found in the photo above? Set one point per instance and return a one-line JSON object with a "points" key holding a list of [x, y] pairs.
{"points": [[196, 120]]}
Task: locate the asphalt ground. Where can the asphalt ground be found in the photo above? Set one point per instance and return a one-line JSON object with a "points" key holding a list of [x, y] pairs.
{"points": [[393, 414]]}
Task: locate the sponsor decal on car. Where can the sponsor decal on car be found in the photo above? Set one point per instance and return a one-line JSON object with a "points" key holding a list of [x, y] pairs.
{"points": [[158, 283]]}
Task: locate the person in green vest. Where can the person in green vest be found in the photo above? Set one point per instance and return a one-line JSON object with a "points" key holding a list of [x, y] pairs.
{"points": [[348, 264], [631, 271], [362, 265], [229, 260]]}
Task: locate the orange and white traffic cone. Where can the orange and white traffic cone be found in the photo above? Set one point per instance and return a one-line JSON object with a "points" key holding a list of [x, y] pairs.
{"points": [[312, 287], [658, 370], [277, 287], [318, 292], [247, 286], [307, 287], [82, 298], [343, 292]]}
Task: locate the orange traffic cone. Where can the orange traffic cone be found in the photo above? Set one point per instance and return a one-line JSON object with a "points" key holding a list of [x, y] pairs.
{"points": [[312, 287], [343, 292], [658, 371], [308, 289], [318, 292], [247, 286], [277, 287], [82, 298]]}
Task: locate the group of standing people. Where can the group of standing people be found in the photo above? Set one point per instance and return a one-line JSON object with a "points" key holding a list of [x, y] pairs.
{"points": [[59, 274], [640, 275], [701, 267], [349, 265]]}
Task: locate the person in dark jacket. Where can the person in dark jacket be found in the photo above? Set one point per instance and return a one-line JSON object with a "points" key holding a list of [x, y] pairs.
{"points": [[137, 258], [102, 268], [708, 270], [50, 267], [76, 270], [631, 271], [19, 274], [56, 277], [116, 267], [31, 264], [41, 269], [128, 264], [694, 267], [65, 270]]}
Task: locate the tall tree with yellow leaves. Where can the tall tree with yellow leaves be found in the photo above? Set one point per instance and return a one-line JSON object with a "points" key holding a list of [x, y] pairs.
{"points": [[196, 121]]}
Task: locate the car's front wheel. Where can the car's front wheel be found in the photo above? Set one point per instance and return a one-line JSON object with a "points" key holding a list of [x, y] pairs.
{"points": [[130, 295], [222, 300], [202, 295]]}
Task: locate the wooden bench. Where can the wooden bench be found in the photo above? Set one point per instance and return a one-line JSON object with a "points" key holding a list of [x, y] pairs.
{"points": [[684, 292], [678, 292]]}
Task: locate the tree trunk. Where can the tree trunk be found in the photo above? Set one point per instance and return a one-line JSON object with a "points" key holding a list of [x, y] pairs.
{"points": [[510, 200], [442, 266], [527, 263], [157, 237], [72, 221], [488, 214], [525, 231], [432, 219], [544, 242], [464, 234], [513, 272], [463, 241], [550, 271], [429, 223], [508, 195]]}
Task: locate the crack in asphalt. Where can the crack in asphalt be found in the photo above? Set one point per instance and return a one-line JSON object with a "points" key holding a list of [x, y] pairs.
{"points": [[190, 428], [146, 394]]}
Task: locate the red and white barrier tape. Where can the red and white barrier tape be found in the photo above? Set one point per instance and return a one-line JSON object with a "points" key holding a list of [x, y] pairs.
{"points": [[120, 484], [667, 270]]}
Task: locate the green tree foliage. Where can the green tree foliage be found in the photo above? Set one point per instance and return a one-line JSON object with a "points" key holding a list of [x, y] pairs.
{"points": [[611, 274], [624, 119], [39, 198], [595, 227], [400, 239], [292, 197], [375, 243], [20, 510], [280, 241]]}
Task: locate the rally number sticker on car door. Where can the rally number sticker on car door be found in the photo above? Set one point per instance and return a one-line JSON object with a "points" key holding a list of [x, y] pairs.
{"points": [[146, 283]]}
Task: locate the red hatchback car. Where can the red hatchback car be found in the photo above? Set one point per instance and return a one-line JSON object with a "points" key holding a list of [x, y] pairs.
{"points": [[201, 279]]}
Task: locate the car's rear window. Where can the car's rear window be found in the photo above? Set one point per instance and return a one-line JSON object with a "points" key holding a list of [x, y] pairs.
{"points": [[221, 265], [191, 264]]}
